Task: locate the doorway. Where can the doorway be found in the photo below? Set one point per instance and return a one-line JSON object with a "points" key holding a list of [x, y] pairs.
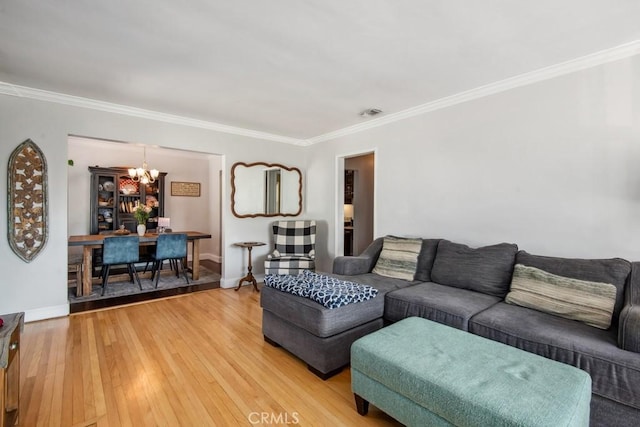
{"points": [[358, 202], [181, 165]]}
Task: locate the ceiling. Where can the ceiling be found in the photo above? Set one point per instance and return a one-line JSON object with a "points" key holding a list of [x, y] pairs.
{"points": [[292, 68]]}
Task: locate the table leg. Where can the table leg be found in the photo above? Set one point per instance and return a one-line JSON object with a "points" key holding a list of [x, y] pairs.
{"points": [[195, 260], [87, 269], [249, 277]]}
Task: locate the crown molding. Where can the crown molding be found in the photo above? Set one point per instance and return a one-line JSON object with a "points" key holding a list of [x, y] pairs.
{"points": [[563, 68], [76, 101]]}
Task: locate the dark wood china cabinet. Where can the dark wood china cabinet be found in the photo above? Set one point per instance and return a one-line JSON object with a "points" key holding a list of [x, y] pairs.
{"points": [[114, 196]]}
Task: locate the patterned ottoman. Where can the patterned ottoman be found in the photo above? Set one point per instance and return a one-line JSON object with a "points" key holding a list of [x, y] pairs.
{"points": [[424, 373]]}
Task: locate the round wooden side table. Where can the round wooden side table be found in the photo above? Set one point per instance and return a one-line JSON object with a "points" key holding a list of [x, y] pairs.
{"points": [[249, 277]]}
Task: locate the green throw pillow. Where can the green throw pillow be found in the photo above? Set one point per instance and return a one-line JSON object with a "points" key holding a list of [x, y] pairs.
{"points": [[399, 257], [587, 302]]}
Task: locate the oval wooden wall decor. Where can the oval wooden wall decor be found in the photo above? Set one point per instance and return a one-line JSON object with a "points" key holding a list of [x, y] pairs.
{"points": [[27, 200]]}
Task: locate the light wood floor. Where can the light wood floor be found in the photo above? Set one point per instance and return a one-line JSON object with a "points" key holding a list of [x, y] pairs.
{"points": [[193, 360]]}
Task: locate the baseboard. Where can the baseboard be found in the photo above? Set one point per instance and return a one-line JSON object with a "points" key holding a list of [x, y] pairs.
{"points": [[212, 257], [229, 283], [46, 313], [233, 282]]}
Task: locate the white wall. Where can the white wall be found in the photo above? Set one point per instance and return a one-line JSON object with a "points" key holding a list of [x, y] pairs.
{"points": [[553, 166], [40, 287]]}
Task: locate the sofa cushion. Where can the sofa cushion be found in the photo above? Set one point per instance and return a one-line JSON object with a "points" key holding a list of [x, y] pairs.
{"points": [[399, 257], [426, 258], [443, 304], [361, 264], [381, 283], [325, 322], [614, 271], [329, 291], [615, 373], [486, 270], [587, 302], [294, 238], [332, 292]]}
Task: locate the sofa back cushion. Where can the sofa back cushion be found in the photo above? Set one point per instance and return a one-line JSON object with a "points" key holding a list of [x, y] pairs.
{"points": [[295, 238], [398, 258], [614, 271], [582, 300], [426, 258], [487, 269]]}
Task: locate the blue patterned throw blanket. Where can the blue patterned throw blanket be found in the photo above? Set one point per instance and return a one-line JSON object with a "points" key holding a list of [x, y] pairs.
{"points": [[325, 290]]}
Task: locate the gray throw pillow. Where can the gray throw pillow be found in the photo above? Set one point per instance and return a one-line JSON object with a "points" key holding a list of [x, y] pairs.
{"points": [[587, 302], [612, 270], [399, 258], [487, 269]]}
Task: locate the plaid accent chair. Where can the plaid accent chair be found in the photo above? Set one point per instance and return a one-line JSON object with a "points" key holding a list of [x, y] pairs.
{"points": [[295, 248]]}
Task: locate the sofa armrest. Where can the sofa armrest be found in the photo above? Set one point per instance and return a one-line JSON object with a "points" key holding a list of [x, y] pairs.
{"points": [[629, 328], [351, 265], [364, 263], [632, 290]]}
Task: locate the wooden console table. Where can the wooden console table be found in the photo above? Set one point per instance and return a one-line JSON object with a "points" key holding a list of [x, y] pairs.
{"points": [[10, 368], [249, 277]]}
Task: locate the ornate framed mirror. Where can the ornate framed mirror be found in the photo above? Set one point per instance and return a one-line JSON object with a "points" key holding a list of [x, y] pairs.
{"points": [[265, 190]]}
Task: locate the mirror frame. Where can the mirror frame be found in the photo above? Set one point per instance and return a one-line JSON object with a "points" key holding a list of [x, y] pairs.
{"points": [[268, 165]]}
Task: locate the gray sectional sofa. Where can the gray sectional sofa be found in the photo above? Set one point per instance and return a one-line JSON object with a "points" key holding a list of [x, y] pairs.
{"points": [[466, 288]]}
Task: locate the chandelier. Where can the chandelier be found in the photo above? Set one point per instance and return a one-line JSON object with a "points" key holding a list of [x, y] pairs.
{"points": [[142, 174]]}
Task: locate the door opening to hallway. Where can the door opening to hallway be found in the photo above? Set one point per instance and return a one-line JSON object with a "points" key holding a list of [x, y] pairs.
{"points": [[358, 205]]}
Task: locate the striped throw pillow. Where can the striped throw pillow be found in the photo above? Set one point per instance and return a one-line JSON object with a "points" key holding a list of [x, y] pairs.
{"points": [[587, 302], [399, 258]]}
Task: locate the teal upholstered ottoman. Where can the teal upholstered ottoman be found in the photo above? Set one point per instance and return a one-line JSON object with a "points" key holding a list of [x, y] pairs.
{"points": [[426, 374]]}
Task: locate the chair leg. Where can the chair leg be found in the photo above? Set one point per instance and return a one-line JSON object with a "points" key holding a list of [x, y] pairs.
{"points": [[153, 267], [158, 267], [153, 270], [135, 273], [105, 277], [131, 269], [175, 264], [184, 270]]}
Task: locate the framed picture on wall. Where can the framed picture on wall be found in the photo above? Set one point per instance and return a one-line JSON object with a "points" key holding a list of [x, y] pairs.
{"points": [[188, 189]]}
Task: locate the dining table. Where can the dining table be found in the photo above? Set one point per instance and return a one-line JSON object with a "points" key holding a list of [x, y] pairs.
{"points": [[95, 241]]}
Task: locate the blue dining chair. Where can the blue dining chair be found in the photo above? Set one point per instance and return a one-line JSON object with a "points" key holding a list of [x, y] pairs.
{"points": [[148, 257], [118, 250], [172, 247]]}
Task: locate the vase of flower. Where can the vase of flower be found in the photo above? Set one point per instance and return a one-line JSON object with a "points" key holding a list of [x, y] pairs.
{"points": [[141, 214]]}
